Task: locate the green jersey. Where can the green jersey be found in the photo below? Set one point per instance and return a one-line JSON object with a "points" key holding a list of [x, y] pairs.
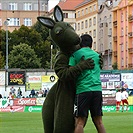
{"points": [[89, 80]]}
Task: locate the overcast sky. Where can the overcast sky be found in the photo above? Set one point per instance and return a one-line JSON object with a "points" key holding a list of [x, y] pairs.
{"points": [[52, 4]]}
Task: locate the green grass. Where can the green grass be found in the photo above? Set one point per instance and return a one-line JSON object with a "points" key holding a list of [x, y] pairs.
{"points": [[32, 123]]}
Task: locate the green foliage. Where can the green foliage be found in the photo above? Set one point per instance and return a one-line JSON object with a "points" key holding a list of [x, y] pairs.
{"points": [[1, 61], [23, 56], [115, 66], [37, 37]]}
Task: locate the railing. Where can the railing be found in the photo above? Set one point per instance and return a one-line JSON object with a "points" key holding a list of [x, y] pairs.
{"points": [[115, 23]]}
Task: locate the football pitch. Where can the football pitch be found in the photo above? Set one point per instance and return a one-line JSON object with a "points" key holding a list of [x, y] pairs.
{"points": [[32, 123]]}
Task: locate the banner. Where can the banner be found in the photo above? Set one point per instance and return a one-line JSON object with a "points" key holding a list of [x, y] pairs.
{"points": [[4, 102], [40, 101], [127, 80], [110, 81], [16, 78], [33, 109], [34, 79], [2, 78], [24, 101], [15, 109], [35, 86], [113, 108]]}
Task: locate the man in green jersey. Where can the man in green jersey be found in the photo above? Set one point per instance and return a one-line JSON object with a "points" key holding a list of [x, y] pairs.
{"points": [[88, 88]]}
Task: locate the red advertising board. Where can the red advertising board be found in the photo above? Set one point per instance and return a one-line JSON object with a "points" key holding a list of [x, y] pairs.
{"points": [[15, 109], [24, 102]]}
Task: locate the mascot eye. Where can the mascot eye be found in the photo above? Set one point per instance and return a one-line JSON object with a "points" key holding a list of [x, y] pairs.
{"points": [[58, 31]]}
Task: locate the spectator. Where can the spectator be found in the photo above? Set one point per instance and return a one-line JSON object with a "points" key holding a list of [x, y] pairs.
{"points": [[12, 90], [40, 93], [45, 92], [124, 97], [32, 94], [19, 93]]}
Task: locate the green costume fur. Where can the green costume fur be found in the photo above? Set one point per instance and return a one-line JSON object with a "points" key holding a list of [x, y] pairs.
{"points": [[57, 112]]}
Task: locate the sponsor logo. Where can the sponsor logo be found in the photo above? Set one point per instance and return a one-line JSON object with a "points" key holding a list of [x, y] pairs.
{"points": [[34, 109], [25, 101]]}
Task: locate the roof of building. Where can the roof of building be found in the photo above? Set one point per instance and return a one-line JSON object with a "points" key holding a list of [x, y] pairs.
{"points": [[68, 4], [83, 3]]}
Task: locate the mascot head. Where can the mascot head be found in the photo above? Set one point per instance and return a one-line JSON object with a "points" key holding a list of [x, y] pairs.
{"points": [[61, 32]]}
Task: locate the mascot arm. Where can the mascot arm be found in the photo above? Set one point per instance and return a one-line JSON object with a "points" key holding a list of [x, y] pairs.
{"points": [[65, 72]]}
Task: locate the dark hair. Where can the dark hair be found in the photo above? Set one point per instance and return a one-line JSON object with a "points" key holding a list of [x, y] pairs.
{"points": [[86, 40]]}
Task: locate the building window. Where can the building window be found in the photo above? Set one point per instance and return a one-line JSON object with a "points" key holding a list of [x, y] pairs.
{"points": [[65, 15], [122, 17], [122, 47], [94, 21], [86, 10], [110, 18], [78, 13], [82, 25], [90, 22], [0, 22], [122, 62], [27, 22], [94, 46], [78, 26], [110, 32], [14, 22], [27, 6], [86, 23], [122, 32], [94, 33], [94, 7], [90, 33], [82, 12], [0, 6], [13, 6], [110, 45], [90, 9]]}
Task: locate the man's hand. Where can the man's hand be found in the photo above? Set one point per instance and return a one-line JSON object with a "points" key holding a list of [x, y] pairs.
{"points": [[86, 64]]}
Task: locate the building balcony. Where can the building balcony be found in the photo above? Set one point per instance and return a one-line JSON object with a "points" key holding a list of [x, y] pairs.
{"points": [[108, 52], [130, 34], [130, 65], [115, 38], [115, 53], [130, 18], [130, 50], [115, 23]]}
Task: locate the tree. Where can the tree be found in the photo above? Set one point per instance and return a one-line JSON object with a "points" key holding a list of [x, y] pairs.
{"points": [[115, 66], [1, 61], [23, 56]]}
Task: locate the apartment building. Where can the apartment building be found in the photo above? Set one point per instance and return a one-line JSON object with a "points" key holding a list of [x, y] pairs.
{"points": [[21, 12], [123, 35], [86, 20], [68, 8]]}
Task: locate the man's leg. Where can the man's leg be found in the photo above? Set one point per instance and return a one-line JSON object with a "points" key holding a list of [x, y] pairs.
{"points": [[79, 124], [97, 120]]}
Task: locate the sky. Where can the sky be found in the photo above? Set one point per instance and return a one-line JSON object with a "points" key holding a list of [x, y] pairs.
{"points": [[52, 4]]}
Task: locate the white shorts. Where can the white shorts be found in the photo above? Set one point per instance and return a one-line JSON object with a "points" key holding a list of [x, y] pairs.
{"points": [[11, 102]]}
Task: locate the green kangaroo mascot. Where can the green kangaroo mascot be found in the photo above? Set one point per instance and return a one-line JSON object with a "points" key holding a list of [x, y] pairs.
{"points": [[58, 107]]}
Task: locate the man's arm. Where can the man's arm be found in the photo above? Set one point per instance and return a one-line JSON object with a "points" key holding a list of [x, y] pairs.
{"points": [[64, 72]]}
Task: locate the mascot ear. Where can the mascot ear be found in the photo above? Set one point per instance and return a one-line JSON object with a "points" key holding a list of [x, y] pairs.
{"points": [[48, 22], [58, 14]]}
